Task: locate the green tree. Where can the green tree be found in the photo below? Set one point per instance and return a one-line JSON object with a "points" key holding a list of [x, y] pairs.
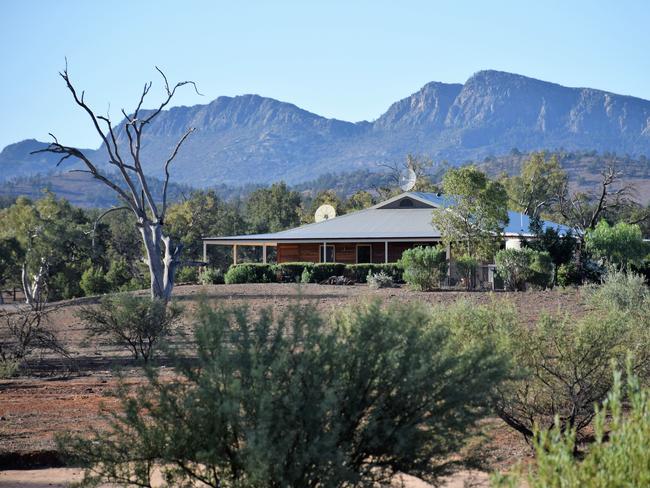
{"points": [[54, 237], [538, 185], [359, 200], [273, 209], [11, 257], [294, 401], [329, 197], [620, 245], [204, 214], [477, 212]]}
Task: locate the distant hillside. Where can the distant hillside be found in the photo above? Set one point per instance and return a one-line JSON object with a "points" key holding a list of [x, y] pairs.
{"points": [[252, 139], [583, 168], [79, 188]]}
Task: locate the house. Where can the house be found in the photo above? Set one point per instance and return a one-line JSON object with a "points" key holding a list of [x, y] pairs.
{"points": [[378, 234]]}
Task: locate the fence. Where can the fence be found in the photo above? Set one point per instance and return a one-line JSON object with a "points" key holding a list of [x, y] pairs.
{"points": [[13, 295]]}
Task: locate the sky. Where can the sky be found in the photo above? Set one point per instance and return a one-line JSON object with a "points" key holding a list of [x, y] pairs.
{"points": [[344, 59]]}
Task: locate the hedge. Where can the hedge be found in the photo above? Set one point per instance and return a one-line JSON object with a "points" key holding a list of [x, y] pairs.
{"points": [[322, 271], [292, 272], [359, 272], [250, 273]]}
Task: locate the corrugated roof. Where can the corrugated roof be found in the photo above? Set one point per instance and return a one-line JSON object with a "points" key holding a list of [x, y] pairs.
{"points": [[384, 223]]}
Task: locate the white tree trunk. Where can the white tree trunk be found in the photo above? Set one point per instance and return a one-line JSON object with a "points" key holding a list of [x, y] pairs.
{"points": [[162, 267], [33, 289]]}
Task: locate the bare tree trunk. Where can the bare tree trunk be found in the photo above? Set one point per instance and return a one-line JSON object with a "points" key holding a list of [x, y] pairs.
{"points": [[131, 186], [33, 289]]}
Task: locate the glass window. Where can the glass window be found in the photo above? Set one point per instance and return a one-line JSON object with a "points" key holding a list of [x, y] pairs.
{"points": [[327, 256], [363, 253]]}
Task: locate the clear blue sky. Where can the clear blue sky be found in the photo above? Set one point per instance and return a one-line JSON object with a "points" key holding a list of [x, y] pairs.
{"points": [[345, 59]]}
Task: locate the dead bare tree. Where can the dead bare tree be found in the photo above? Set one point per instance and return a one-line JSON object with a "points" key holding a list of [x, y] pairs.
{"points": [[133, 190], [584, 210]]}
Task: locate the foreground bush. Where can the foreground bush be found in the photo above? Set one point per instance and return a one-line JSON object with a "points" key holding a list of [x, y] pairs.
{"points": [[137, 324], [424, 267], [520, 266], [619, 457], [250, 273], [565, 367], [295, 402]]}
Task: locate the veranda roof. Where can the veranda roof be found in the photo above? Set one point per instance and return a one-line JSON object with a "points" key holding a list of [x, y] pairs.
{"points": [[385, 221]]}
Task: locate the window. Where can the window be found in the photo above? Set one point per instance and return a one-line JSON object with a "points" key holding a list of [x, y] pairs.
{"points": [[364, 253], [406, 203], [326, 254]]}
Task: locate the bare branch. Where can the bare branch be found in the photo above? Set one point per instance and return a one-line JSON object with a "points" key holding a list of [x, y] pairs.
{"points": [[167, 163]]}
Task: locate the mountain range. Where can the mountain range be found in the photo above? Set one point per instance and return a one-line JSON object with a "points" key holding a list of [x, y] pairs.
{"points": [[253, 139]]}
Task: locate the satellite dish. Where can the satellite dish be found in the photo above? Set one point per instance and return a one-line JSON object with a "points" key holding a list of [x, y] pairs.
{"points": [[324, 212], [407, 180]]}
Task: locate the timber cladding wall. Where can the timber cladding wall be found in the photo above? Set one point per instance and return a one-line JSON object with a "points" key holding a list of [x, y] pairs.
{"points": [[344, 252]]}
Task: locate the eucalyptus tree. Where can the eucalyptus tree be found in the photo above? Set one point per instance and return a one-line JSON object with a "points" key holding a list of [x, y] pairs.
{"points": [[129, 181]]}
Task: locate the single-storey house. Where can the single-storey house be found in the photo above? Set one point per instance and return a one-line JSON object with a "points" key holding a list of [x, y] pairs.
{"points": [[378, 234]]}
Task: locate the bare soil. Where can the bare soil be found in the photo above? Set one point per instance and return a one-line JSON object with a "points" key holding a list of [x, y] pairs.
{"points": [[53, 396]]}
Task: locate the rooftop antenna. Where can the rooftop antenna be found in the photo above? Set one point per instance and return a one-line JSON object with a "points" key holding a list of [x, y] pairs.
{"points": [[407, 179], [324, 212]]}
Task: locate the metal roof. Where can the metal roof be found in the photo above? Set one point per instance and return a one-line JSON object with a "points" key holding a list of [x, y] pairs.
{"points": [[378, 223]]}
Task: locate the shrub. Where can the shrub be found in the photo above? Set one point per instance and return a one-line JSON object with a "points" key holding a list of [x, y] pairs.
{"points": [[134, 323], [359, 272], [187, 274], [306, 276], [620, 245], [466, 266], [296, 401], [565, 368], [118, 274], [618, 457], [322, 271], [520, 266], [568, 274], [424, 267], [211, 276], [292, 272], [250, 273], [542, 270], [380, 280], [93, 282], [619, 290]]}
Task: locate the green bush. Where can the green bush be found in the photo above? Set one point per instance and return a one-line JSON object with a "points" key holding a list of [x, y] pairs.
{"points": [[298, 401], [619, 290], [568, 274], [211, 276], [467, 266], [322, 271], [93, 282], [359, 272], [520, 266], [424, 267], [292, 272], [380, 280], [565, 366], [118, 274], [619, 457], [187, 274], [250, 273], [306, 276], [542, 270], [620, 245], [137, 324]]}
